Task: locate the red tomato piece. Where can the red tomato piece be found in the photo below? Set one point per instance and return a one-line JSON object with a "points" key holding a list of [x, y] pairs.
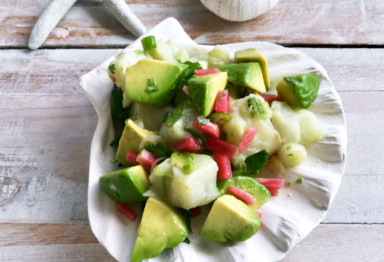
{"points": [[222, 102], [270, 98], [222, 147], [209, 128], [146, 159], [241, 195], [225, 171], [131, 158], [202, 72], [248, 136], [187, 145], [126, 210]]}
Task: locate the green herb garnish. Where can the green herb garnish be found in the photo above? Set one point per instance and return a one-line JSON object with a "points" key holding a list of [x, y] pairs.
{"points": [[186, 240], [188, 73], [223, 94], [115, 142], [111, 68], [172, 117], [187, 214], [255, 163], [159, 150], [117, 109], [299, 180]]}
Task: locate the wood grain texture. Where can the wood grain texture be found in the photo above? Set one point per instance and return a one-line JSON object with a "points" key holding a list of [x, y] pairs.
{"points": [[74, 242], [88, 24], [46, 126]]}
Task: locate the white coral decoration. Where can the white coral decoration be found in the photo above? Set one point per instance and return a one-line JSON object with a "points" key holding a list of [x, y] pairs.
{"points": [[239, 10]]}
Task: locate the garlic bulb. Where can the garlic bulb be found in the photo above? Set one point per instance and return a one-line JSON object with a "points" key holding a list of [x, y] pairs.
{"points": [[239, 10]]}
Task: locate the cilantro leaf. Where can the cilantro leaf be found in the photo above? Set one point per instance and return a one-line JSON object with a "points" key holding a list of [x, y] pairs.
{"points": [[223, 94], [111, 68], [172, 117], [115, 142], [202, 121], [186, 240], [255, 163], [192, 66], [117, 109], [187, 214], [159, 150]]}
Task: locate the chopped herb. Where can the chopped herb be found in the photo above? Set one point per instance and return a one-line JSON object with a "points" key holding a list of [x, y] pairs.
{"points": [[289, 147], [290, 154], [196, 136], [255, 163], [120, 165], [115, 142], [117, 109], [186, 240], [187, 214], [288, 183], [138, 52], [223, 94], [172, 117], [202, 121], [151, 85], [111, 68], [256, 108], [148, 42], [113, 161], [159, 150], [188, 73], [299, 180]]}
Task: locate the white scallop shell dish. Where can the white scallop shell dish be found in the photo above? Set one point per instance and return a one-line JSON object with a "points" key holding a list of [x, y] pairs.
{"points": [[287, 219], [239, 10]]}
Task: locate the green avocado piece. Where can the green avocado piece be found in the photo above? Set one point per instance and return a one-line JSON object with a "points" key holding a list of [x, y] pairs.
{"points": [[153, 82], [203, 91], [299, 91], [230, 220], [252, 55], [245, 74], [125, 185], [162, 226], [249, 185], [130, 140], [183, 161]]}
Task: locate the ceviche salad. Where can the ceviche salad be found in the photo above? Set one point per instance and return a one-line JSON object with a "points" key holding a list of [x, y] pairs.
{"points": [[198, 130]]}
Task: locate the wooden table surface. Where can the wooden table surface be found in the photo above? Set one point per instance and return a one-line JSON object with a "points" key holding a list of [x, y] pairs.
{"points": [[46, 122]]}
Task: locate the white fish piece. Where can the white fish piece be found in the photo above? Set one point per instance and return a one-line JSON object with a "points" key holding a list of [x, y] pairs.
{"points": [[48, 21]]}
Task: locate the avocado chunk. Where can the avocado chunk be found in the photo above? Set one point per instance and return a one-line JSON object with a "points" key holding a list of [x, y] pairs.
{"points": [[161, 227], [299, 91], [230, 220], [153, 82], [117, 68], [126, 185], [203, 91], [183, 161], [245, 74], [249, 185], [130, 140], [252, 55]]}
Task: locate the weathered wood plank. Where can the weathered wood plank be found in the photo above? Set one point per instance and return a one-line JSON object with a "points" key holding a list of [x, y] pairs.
{"points": [[58, 71], [22, 234], [55, 253], [290, 22], [341, 243], [74, 242]]}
